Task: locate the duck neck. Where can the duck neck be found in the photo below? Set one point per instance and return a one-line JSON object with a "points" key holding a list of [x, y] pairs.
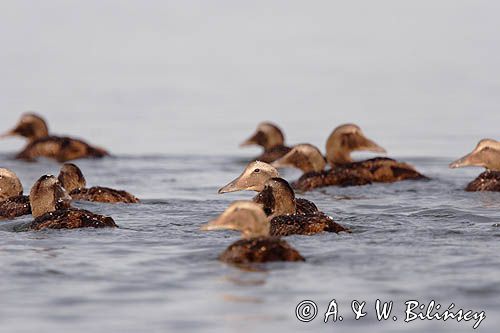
{"points": [[340, 156]]}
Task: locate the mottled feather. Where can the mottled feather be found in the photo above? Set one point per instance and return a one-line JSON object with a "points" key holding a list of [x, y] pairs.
{"points": [[259, 250], [61, 149], [486, 181], [103, 194], [71, 218], [15, 206]]}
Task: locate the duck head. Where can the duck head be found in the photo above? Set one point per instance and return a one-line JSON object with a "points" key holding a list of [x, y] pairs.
{"points": [[71, 177], [277, 198], [252, 179], [10, 185], [30, 126], [47, 195], [304, 156], [346, 139], [486, 154], [267, 135], [244, 216]]}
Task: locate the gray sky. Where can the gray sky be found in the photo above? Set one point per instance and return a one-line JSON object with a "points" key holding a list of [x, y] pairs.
{"points": [[420, 77]]}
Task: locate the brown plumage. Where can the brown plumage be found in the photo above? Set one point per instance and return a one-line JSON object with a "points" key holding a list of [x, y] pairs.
{"points": [[376, 170], [276, 198], [51, 209], [486, 181], [305, 207], [72, 179], [256, 246], [61, 149], [273, 153], [259, 250], [71, 218], [14, 207], [487, 155], [311, 224], [344, 171], [271, 139], [41, 144], [255, 176], [12, 201], [103, 194], [278, 201]]}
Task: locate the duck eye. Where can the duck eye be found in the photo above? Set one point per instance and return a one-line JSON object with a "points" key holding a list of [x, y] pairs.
{"points": [[256, 170]]}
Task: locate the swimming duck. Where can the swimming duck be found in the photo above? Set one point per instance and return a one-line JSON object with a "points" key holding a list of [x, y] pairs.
{"points": [[278, 202], [12, 201], [487, 155], [344, 171], [50, 205], [72, 179], [41, 144], [271, 138], [256, 245], [254, 177]]}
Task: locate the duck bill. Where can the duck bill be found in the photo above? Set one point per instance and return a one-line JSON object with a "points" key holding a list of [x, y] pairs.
{"points": [[235, 185], [216, 224], [369, 145], [468, 160], [8, 134], [250, 141]]}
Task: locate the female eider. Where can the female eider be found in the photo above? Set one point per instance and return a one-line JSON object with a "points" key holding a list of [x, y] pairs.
{"points": [[278, 202], [41, 144], [344, 171], [256, 245], [487, 155], [50, 205], [288, 215], [255, 176], [72, 179], [12, 201], [271, 138]]}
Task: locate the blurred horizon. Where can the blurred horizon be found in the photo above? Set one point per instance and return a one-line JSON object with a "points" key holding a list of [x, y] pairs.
{"points": [[192, 77]]}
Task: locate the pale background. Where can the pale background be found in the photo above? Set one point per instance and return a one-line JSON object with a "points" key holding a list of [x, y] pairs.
{"points": [[189, 77]]}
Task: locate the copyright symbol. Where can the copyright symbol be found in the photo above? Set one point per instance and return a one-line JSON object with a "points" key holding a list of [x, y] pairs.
{"points": [[306, 311]]}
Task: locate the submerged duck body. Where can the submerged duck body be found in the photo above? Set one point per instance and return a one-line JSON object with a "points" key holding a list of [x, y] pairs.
{"points": [[256, 245], [103, 194], [61, 149], [12, 201], [260, 250], [71, 218], [344, 171], [72, 179], [487, 155], [41, 144], [15, 207], [271, 139], [50, 205], [376, 170]]}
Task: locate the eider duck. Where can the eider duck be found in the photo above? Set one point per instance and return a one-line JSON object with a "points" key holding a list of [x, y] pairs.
{"points": [[72, 179], [256, 245], [12, 201], [271, 138], [254, 177], [344, 171], [278, 202], [288, 215], [50, 205], [41, 144], [487, 155]]}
